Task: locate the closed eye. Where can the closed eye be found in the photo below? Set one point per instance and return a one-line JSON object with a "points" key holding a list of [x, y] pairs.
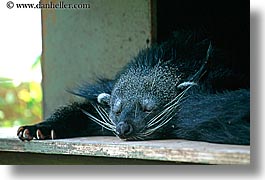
{"points": [[117, 113], [147, 110], [148, 105]]}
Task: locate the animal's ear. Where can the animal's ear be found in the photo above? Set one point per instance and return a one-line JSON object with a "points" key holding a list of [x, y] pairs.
{"points": [[186, 84], [104, 99]]}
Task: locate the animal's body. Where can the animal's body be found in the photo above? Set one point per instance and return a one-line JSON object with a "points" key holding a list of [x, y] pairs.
{"points": [[181, 89]]}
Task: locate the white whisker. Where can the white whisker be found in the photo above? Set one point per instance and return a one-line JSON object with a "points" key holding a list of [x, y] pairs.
{"points": [[165, 115], [103, 111], [99, 122], [103, 117]]}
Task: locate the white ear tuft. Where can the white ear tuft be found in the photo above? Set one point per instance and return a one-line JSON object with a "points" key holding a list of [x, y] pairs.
{"points": [[103, 98], [186, 84]]}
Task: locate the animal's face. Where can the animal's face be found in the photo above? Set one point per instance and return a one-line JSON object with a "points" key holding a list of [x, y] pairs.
{"points": [[132, 116], [142, 101], [137, 101]]}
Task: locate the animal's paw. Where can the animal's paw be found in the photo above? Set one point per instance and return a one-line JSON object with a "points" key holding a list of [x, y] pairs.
{"points": [[34, 131]]}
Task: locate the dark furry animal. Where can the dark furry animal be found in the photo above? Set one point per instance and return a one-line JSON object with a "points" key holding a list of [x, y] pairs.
{"points": [[182, 89]]}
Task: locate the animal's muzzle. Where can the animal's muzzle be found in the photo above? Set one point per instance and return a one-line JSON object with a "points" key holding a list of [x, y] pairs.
{"points": [[124, 130]]}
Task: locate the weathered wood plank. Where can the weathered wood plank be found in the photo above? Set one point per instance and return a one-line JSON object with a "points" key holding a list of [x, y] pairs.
{"points": [[19, 158], [163, 150]]}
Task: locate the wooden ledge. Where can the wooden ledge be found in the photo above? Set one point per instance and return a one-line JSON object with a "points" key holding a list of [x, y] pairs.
{"points": [[162, 150]]}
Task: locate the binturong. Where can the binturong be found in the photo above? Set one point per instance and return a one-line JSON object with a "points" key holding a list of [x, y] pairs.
{"points": [[146, 96], [184, 88]]}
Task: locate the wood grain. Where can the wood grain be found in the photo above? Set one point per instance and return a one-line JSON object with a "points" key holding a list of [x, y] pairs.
{"points": [[162, 150]]}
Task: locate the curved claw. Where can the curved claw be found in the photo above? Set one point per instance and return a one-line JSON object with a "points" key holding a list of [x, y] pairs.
{"points": [[39, 134], [24, 134], [30, 132], [53, 135]]}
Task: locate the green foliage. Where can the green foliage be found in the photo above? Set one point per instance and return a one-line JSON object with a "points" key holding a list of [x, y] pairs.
{"points": [[19, 104]]}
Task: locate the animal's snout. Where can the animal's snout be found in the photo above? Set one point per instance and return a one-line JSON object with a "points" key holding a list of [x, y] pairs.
{"points": [[124, 129]]}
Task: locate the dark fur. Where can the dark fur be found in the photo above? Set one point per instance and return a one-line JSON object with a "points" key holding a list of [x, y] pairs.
{"points": [[216, 110]]}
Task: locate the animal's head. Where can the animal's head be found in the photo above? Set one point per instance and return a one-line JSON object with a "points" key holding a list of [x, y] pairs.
{"points": [[144, 99], [141, 102]]}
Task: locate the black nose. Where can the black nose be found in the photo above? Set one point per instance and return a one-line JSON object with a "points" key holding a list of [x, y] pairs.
{"points": [[124, 129]]}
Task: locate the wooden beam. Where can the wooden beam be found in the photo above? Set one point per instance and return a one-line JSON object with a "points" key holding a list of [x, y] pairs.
{"points": [[162, 150]]}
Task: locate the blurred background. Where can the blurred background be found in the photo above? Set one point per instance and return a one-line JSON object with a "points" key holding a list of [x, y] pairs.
{"points": [[20, 67]]}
